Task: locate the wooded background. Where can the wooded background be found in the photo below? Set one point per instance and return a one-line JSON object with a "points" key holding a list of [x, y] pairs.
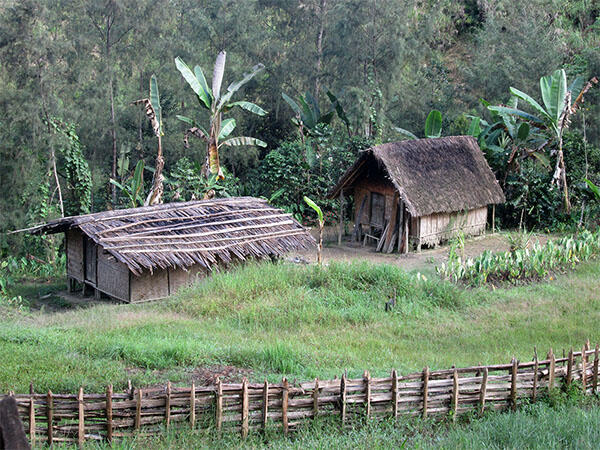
{"points": [[389, 62]]}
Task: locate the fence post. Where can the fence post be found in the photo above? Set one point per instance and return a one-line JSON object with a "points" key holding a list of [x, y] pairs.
{"points": [[570, 367], [245, 408], [367, 381], [81, 418], [395, 393], [551, 370], [219, 405], [595, 375], [31, 415], [425, 390], [343, 398], [284, 406], [50, 415], [316, 399], [535, 379], [265, 406], [455, 394], [193, 406], [483, 391], [168, 404], [138, 410], [584, 369], [109, 413], [513, 384]]}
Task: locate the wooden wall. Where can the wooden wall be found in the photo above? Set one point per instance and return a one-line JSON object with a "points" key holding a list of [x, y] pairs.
{"points": [[436, 228], [113, 276], [162, 283], [74, 245]]}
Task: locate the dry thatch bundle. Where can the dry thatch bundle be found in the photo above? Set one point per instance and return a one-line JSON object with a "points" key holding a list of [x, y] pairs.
{"points": [[181, 235]]}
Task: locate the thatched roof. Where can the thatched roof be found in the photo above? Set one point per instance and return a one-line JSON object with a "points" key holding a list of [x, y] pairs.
{"points": [[203, 232], [432, 175]]}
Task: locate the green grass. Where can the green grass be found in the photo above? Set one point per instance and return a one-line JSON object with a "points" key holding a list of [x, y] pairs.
{"points": [[301, 322]]}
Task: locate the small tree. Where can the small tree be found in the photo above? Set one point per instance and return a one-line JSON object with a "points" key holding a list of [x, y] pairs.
{"points": [[314, 206]]}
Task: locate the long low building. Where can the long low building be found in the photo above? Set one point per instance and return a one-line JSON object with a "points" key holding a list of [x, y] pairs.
{"points": [[148, 253]]}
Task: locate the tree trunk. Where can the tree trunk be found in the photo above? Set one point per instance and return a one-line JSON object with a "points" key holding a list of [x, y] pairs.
{"points": [[113, 130], [323, 5]]}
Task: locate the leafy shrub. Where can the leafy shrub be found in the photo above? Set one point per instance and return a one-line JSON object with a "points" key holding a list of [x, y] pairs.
{"points": [[523, 263]]}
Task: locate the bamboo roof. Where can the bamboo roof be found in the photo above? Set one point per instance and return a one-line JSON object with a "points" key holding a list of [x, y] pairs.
{"points": [[206, 232], [439, 175]]}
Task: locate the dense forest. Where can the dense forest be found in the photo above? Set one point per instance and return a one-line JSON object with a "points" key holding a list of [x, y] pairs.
{"points": [[362, 71]]}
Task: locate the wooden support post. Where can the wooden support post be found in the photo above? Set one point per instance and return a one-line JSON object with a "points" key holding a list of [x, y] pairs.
{"points": [[109, 413], [315, 397], [81, 418], [284, 406], [50, 416], [425, 390], [265, 405], [551, 370], [193, 406], [343, 398], [245, 408], [535, 379], [367, 381], [455, 394], [219, 405], [584, 370], [483, 391], [595, 373], [493, 218], [31, 415], [570, 368], [395, 393], [138, 410], [341, 230], [168, 404], [97, 294], [513, 384]]}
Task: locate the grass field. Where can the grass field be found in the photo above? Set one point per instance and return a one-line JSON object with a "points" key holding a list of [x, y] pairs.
{"points": [[266, 320]]}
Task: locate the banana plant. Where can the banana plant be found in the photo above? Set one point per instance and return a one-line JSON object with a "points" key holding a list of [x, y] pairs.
{"points": [[554, 116], [433, 126], [217, 104], [319, 212], [133, 187], [154, 114], [309, 115]]}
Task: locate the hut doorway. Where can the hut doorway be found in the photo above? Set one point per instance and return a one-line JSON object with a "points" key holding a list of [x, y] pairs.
{"points": [[91, 260]]}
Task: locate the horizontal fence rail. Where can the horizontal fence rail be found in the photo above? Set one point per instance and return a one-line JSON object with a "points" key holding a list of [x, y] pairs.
{"points": [[246, 406]]}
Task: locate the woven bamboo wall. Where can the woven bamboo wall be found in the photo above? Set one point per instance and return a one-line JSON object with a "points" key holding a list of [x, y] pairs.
{"points": [[245, 406]]}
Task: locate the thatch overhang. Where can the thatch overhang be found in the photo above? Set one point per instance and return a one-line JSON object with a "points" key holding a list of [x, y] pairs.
{"points": [[206, 232], [439, 175]]}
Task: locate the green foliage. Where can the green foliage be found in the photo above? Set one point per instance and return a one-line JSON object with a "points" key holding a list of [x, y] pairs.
{"points": [[186, 182], [309, 115], [314, 206], [433, 124], [133, 186], [522, 264]]}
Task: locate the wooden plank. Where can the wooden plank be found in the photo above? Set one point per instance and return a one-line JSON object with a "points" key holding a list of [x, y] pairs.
{"points": [[343, 398], [513, 384], [109, 413], [483, 391], [244, 408], [367, 381], [535, 380], [284, 406], [50, 417], [219, 405], [455, 394], [569, 368], [138, 410], [551, 370], [425, 390], [193, 406], [265, 405], [81, 418], [389, 241], [595, 375], [584, 370], [382, 240], [315, 397], [32, 436], [168, 404], [357, 219], [395, 393]]}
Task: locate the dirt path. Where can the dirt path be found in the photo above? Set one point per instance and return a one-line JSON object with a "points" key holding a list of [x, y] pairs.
{"points": [[427, 259]]}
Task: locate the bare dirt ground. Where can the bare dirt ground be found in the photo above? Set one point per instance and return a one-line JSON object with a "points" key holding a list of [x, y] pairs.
{"points": [[426, 259]]}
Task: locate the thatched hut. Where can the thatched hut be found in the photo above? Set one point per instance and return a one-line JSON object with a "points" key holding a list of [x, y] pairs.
{"points": [[419, 192], [147, 253]]}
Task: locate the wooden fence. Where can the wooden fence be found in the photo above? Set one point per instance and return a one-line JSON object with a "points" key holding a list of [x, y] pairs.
{"points": [[249, 406]]}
